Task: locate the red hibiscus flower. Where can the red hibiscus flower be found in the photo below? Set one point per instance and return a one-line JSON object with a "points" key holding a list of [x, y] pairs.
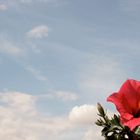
{"points": [[127, 102]]}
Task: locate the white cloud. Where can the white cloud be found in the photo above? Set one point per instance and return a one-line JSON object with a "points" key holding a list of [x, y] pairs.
{"points": [[62, 95], [23, 102], [93, 133], [3, 7], [85, 114], [20, 120], [16, 112], [38, 32], [36, 73]]}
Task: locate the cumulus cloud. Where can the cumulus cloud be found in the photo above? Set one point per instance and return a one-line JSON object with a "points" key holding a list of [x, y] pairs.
{"points": [[93, 133], [23, 102], [62, 95], [85, 114], [16, 112], [20, 120], [38, 32]]}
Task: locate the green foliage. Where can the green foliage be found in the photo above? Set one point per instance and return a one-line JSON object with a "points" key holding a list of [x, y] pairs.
{"points": [[113, 129]]}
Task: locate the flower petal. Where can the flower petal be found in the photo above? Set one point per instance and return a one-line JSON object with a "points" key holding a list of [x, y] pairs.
{"points": [[132, 123], [114, 98], [130, 90]]}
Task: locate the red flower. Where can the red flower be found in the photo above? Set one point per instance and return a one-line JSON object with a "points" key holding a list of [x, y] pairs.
{"points": [[127, 102]]}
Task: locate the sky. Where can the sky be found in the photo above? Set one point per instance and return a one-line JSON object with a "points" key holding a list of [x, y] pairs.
{"points": [[58, 58]]}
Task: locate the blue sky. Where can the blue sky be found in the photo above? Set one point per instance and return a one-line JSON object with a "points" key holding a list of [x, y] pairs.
{"points": [[58, 58]]}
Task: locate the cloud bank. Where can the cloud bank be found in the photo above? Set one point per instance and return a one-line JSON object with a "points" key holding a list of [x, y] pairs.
{"points": [[20, 120]]}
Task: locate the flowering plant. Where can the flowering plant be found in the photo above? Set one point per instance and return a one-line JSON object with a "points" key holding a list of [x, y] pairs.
{"points": [[124, 126]]}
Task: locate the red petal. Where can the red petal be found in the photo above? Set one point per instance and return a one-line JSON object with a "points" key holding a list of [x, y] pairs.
{"points": [[114, 98], [130, 90], [133, 123]]}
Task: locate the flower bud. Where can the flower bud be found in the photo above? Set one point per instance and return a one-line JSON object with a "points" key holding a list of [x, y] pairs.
{"points": [[100, 109], [117, 119]]}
